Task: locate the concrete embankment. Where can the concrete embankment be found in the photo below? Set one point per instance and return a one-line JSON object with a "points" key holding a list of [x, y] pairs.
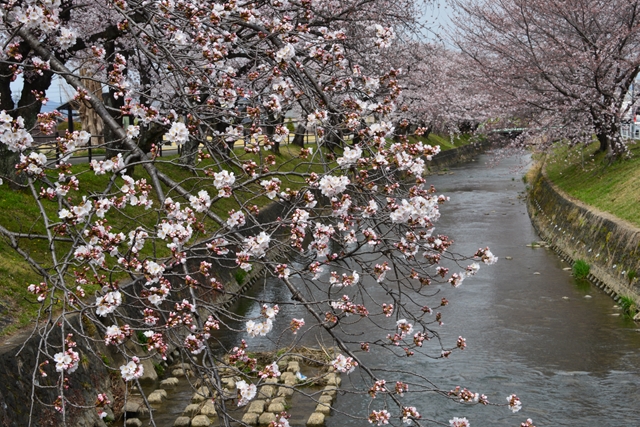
{"points": [[576, 231]]}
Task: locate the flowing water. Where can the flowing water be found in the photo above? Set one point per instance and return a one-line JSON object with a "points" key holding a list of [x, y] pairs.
{"points": [[531, 329]]}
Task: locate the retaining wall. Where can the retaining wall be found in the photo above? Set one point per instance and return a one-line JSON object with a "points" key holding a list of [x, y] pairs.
{"points": [[609, 245]]}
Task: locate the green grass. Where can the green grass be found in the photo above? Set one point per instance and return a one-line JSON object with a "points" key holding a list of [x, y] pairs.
{"points": [[580, 269], [628, 305], [592, 179]]}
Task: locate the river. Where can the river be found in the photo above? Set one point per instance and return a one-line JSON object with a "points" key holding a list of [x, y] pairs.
{"points": [[561, 345]]}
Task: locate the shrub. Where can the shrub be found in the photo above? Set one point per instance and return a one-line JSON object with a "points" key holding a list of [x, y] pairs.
{"points": [[581, 269], [628, 305], [240, 275]]}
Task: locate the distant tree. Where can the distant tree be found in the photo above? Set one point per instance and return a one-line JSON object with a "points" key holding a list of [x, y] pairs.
{"points": [[564, 67]]}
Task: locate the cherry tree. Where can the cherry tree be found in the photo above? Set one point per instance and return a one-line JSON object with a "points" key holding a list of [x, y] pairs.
{"points": [[563, 68], [138, 244]]}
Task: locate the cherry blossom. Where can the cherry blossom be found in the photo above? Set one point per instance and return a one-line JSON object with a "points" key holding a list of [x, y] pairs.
{"points": [[132, 370], [246, 392]]}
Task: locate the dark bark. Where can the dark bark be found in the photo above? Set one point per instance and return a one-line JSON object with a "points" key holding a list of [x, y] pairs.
{"points": [[298, 138], [28, 108], [270, 130]]}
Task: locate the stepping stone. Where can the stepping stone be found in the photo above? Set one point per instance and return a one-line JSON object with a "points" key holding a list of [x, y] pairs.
{"points": [[201, 395], [169, 382], [279, 400], [182, 422], [266, 418], [250, 418], [323, 408], [316, 419], [326, 399], [228, 383], [293, 367], [131, 407], [157, 396], [285, 391], [333, 379], [191, 410], [201, 421], [330, 390], [178, 372], [209, 409], [276, 407], [266, 391], [133, 422], [289, 378], [257, 406]]}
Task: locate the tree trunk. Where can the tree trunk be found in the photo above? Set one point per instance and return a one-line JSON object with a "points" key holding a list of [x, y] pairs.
{"points": [[298, 138], [189, 153], [607, 130], [270, 130], [28, 108]]}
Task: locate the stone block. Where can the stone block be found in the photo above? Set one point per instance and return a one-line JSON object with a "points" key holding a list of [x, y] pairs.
{"points": [[325, 398], [289, 378], [131, 407], [316, 419], [282, 363], [285, 391], [271, 381], [191, 410], [276, 407], [266, 392], [182, 422], [266, 418], [293, 367], [133, 422], [250, 418], [157, 396], [228, 383], [201, 421], [279, 400], [330, 390], [178, 372], [169, 382], [208, 409], [184, 366], [333, 379], [257, 406], [202, 394], [323, 408], [136, 408]]}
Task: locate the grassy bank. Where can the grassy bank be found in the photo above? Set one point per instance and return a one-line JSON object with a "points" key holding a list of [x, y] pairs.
{"points": [[589, 177]]}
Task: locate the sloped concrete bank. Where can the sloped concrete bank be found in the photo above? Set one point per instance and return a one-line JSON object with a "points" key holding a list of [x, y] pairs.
{"points": [[575, 231]]}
